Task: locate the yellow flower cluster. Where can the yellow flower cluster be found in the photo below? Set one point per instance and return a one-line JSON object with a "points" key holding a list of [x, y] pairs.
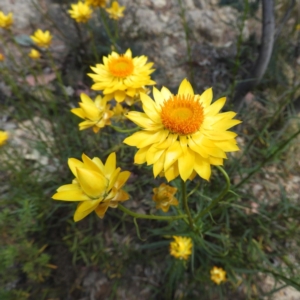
{"points": [[217, 275], [80, 12], [41, 38], [181, 247], [95, 113], [34, 54], [164, 197], [96, 3], [96, 186], [182, 134], [122, 77], [115, 11], [6, 20], [3, 137]]}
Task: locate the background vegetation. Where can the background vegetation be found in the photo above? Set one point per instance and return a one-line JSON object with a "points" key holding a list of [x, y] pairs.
{"points": [[253, 232]]}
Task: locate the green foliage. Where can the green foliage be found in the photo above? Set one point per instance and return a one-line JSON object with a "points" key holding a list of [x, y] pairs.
{"points": [[235, 228]]}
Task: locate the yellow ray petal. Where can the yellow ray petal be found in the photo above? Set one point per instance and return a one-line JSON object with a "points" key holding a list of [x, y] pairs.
{"points": [[186, 164], [110, 165], [71, 195], [185, 88], [92, 183], [172, 155], [206, 97]]}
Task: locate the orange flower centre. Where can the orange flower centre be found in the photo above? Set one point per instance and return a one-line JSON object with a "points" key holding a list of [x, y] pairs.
{"points": [[121, 66], [182, 114]]}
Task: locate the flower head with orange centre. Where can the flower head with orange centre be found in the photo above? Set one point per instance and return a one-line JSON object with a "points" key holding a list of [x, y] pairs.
{"points": [[95, 113], [182, 134], [80, 12], [96, 3], [115, 11], [217, 275], [181, 247], [3, 137], [6, 20], [164, 197], [2, 57], [96, 186], [121, 76], [41, 38], [34, 54]]}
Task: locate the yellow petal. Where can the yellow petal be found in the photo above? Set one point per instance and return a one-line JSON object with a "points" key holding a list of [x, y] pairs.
{"points": [[99, 163], [122, 178], [89, 164], [228, 145], [84, 209], [150, 108], [90, 110], [206, 97], [186, 164], [172, 172], [172, 155], [92, 183], [110, 165], [159, 165], [86, 99], [71, 195], [113, 179], [78, 112], [166, 93], [215, 107], [185, 88], [140, 156], [119, 96], [202, 167], [158, 97], [101, 209], [68, 187], [74, 164]]}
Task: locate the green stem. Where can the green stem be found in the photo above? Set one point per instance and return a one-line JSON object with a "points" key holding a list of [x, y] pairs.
{"points": [[103, 18], [187, 41], [151, 217], [93, 42], [219, 198], [185, 204], [118, 129]]}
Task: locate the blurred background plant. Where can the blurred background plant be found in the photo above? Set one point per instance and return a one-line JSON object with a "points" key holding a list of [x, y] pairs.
{"points": [[252, 234]]}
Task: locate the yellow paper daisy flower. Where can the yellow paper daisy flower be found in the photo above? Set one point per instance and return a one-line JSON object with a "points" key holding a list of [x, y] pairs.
{"points": [[80, 12], [3, 137], [2, 57], [96, 186], [217, 275], [181, 247], [121, 76], [183, 134], [42, 39], [115, 11], [95, 113], [96, 3], [34, 54], [164, 197], [6, 20]]}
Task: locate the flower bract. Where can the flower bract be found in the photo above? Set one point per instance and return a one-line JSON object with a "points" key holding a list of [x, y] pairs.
{"points": [[34, 54], [96, 186], [121, 76], [217, 275], [182, 134], [115, 11], [3, 137], [96, 3], [181, 247], [41, 38], [164, 197], [80, 12], [95, 113], [6, 20]]}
